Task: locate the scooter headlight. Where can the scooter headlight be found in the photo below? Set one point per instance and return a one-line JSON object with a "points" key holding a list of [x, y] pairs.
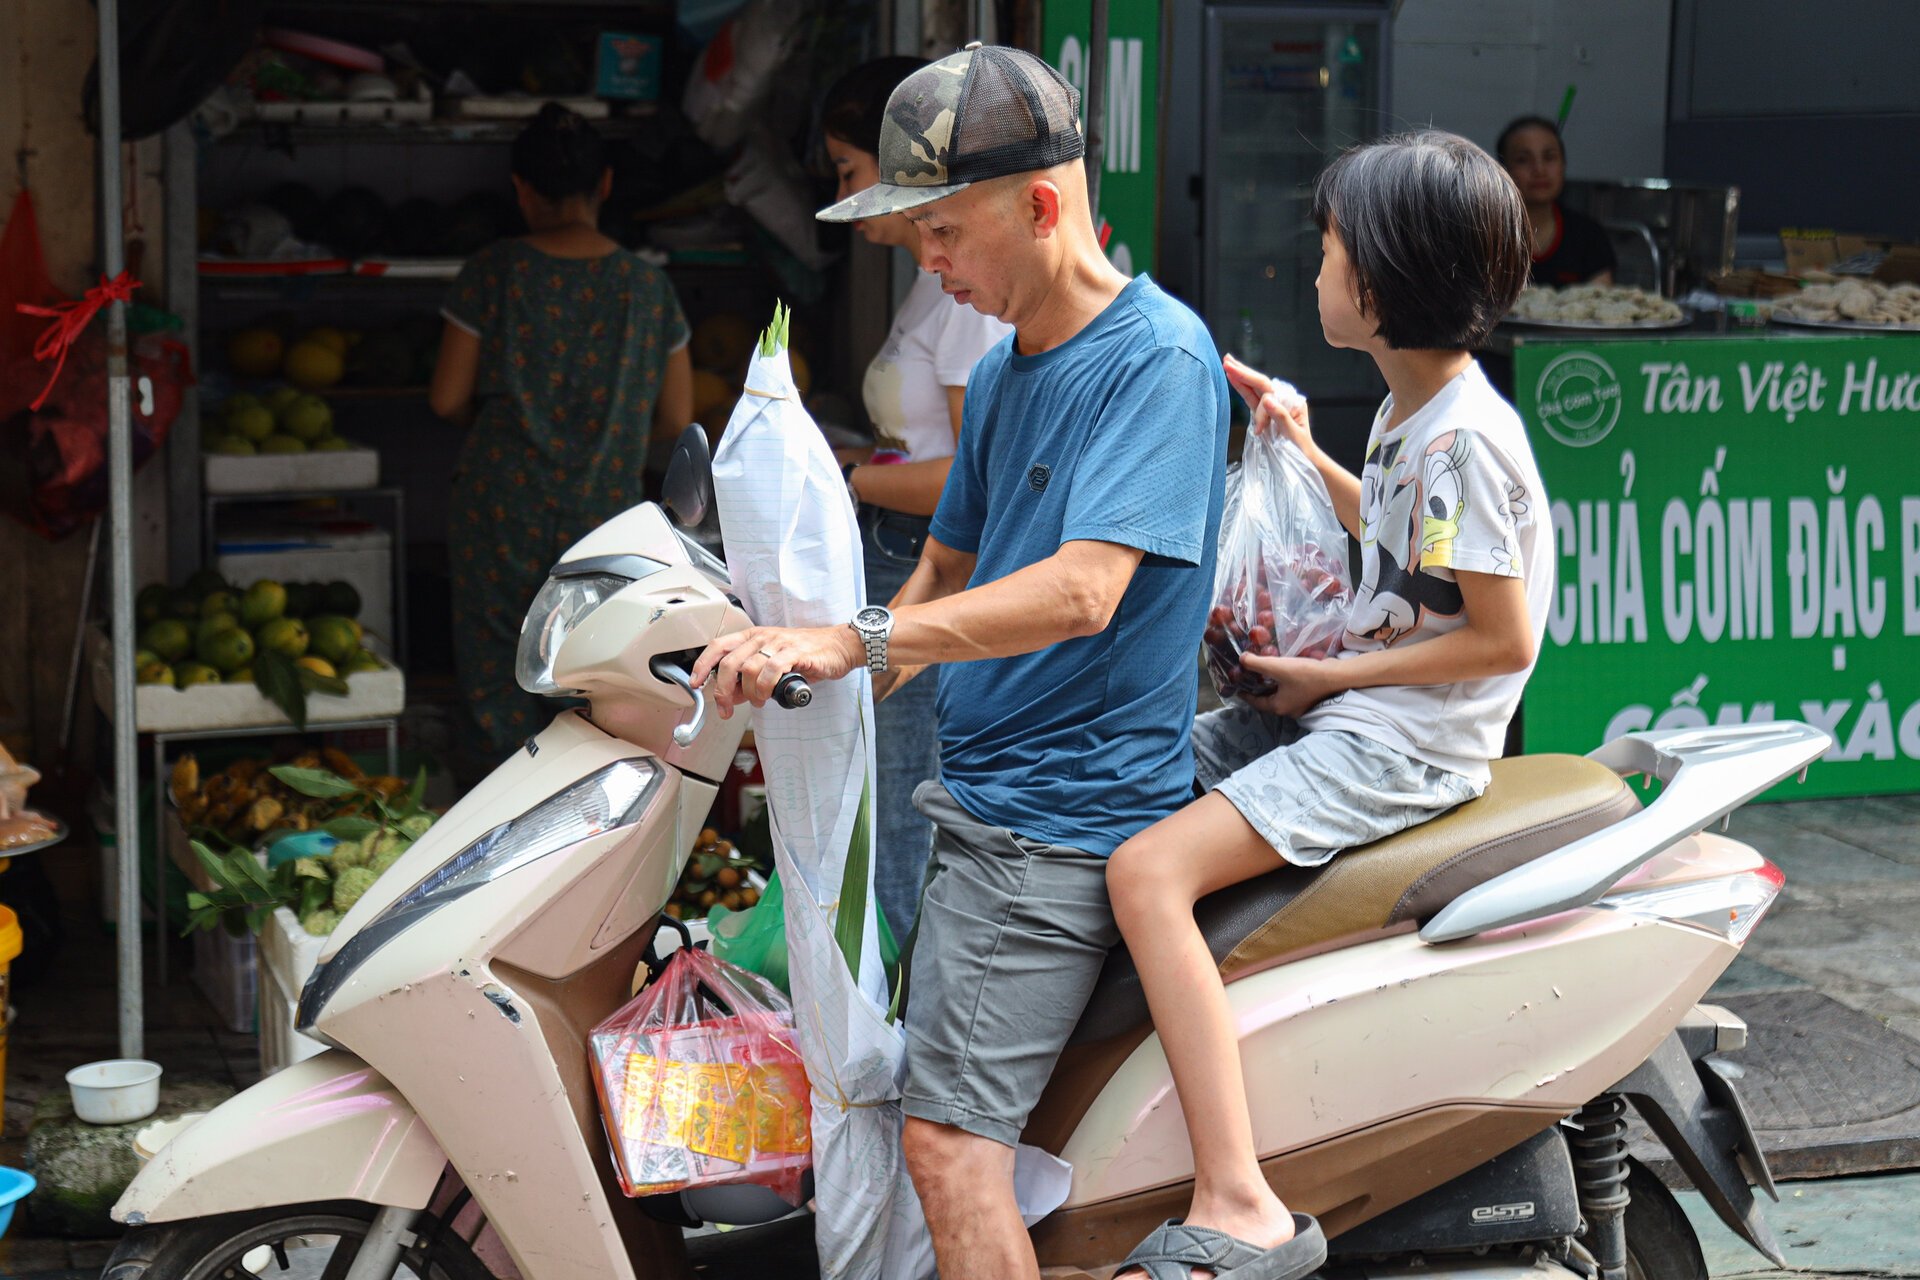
{"points": [[613, 797], [562, 605]]}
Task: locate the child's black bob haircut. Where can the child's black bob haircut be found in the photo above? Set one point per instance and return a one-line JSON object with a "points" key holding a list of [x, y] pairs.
{"points": [[1436, 234], [559, 155]]}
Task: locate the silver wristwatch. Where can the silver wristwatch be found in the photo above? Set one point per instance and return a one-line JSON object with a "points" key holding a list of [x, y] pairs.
{"points": [[874, 625]]}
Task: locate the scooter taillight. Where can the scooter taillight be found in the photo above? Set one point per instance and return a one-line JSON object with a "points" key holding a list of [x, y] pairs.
{"points": [[1727, 905]]}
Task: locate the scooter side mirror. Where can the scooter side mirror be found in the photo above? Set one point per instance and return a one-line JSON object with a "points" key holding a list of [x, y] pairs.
{"points": [[688, 490]]}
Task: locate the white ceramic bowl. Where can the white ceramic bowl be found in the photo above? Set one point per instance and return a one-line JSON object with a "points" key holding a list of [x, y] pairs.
{"points": [[117, 1091]]}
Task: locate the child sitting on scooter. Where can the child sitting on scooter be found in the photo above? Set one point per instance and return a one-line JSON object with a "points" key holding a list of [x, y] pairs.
{"points": [[1425, 246]]}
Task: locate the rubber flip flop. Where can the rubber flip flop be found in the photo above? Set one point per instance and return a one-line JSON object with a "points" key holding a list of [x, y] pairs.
{"points": [[1175, 1250]]}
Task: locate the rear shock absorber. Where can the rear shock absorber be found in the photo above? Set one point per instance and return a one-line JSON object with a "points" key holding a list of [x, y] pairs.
{"points": [[1600, 1176]]}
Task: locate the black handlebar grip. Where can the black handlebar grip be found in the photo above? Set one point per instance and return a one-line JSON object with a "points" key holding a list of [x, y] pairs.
{"points": [[793, 691]]}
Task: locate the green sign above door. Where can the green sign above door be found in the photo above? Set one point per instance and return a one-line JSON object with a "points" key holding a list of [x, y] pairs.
{"points": [[1738, 530], [1130, 171]]}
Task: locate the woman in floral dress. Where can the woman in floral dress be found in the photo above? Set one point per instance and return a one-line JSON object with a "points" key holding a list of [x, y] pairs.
{"points": [[566, 357]]}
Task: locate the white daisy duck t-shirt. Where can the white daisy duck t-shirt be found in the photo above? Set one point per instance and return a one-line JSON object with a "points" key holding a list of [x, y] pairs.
{"points": [[1452, 487]]}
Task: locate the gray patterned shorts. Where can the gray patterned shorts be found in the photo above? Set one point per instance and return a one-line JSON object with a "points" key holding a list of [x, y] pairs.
{"points": [[1310, 795]]}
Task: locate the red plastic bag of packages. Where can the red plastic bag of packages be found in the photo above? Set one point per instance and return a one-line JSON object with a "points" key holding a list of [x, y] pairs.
{"points": [[1280, 586], [701, 1085]]}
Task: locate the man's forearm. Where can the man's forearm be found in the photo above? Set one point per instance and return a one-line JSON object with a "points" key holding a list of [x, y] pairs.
{"points": [[925, 584], [1071, 594]]}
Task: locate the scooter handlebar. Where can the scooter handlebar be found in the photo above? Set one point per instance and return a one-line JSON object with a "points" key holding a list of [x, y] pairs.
{"points": [[793, 691]]}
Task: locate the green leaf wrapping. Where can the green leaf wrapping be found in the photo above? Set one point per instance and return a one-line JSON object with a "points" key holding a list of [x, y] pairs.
{"points": [[318, 783], [774, 338], [350, 828], [850, 919]]}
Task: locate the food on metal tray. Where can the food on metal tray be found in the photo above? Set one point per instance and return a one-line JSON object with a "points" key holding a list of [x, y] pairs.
{"points": [[1866, 302], [1602, 306], [25, 827]]}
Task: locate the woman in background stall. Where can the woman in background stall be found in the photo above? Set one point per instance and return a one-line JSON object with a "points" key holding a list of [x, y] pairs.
{"points": [[913, 392], [1568, 247], [565, 356]]}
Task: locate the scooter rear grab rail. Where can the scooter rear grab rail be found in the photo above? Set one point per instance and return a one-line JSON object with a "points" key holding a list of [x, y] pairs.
{"points": [[1708, 773]]}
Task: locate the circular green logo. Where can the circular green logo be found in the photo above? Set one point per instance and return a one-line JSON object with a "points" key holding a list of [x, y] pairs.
{"points": [[1578, 399]]}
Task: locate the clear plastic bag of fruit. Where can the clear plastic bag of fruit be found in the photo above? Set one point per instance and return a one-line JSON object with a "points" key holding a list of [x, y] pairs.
{"points": [[1280, 588], [701, 1084]]}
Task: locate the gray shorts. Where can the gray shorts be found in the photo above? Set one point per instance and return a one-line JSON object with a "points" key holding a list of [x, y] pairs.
{"points": [[1310, 795], [1011, 936]]}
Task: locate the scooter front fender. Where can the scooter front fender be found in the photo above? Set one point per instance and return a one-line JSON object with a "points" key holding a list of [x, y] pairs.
{"points": [[328, 1128]]}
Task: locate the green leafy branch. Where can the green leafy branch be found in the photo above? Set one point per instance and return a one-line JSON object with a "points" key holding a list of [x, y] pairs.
{"points": [[245, 893], [286, 684]]}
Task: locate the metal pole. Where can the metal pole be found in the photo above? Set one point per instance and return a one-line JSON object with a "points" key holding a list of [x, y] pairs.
{"points": [[1096, 105], [126, 764]]}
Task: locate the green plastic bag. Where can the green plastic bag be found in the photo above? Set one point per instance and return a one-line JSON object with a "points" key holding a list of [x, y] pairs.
{"points": [[756, 939]]}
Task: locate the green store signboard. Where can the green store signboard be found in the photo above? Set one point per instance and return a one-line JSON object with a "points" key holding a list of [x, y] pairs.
{"points": [[1130, 172], [1738, 530]]}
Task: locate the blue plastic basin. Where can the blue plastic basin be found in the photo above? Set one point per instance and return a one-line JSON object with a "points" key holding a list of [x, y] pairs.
{"points": [[14, 1187]]}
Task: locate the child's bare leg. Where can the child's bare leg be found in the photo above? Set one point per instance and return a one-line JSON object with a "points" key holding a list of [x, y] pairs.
{"points": [[1154, 880]]}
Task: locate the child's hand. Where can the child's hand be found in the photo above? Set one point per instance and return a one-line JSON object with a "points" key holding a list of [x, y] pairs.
{"points": [[1302, 683], [1275, 405]]}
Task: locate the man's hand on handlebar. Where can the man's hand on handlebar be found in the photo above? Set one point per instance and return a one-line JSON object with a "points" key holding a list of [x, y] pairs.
{"points": [[747, 665]]}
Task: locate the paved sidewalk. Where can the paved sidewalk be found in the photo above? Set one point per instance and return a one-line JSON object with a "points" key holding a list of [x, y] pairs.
{"points": [[1830, 987], [1830, 1227]]}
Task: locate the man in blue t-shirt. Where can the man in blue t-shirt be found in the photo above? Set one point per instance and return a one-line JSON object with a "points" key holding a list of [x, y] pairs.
{"points": [[1062, 591]]}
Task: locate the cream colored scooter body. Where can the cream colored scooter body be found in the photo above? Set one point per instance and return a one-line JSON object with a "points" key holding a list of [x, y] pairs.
{"points": [[463, 1035], [477, 1015], [1327, 1040]]}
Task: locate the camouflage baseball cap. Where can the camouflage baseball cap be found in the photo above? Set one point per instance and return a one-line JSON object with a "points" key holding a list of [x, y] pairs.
{"points": [[984, 112]]}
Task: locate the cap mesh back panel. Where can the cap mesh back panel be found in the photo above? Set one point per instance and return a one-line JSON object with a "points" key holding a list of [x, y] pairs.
{"points": [[1016, 114]]}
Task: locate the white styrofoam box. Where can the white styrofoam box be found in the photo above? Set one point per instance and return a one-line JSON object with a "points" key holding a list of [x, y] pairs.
{"points": [[288, 951], [280, 1045], [355, 468], [288, 955], [227, 971], [363, 560], [400, 111], [371, 695]]}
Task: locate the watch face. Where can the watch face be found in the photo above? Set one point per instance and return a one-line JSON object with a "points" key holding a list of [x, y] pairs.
{"points": [[871, 618]]}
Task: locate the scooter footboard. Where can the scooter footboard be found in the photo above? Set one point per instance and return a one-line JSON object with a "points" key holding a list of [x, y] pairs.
{"points": [[328, 1128]]}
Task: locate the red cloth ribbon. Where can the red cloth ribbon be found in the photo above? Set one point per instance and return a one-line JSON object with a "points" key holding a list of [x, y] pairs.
{"points": [[70, 320]]}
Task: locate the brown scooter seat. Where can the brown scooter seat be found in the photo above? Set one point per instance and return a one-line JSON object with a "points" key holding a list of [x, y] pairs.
{"points": [[1535, 804]]}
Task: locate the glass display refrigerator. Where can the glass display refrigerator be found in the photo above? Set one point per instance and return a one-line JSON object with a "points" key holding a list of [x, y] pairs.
{"points": [[1279, 91]]}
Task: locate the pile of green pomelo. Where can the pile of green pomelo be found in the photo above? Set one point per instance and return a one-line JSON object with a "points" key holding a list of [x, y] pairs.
{"points": [[209, 632], [283, 420]]}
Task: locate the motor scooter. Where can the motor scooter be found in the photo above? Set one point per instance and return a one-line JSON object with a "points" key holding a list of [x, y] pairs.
{"points": [[1441, 1032]]}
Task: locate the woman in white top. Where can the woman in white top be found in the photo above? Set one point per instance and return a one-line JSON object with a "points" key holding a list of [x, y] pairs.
{"points": [[913, 393]]}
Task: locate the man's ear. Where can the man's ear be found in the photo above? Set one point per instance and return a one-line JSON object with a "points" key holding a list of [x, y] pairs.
{"points": [[1042, 201]]}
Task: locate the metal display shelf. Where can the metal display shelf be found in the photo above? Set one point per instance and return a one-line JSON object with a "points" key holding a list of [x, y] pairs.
{"points": [[438, 131]]}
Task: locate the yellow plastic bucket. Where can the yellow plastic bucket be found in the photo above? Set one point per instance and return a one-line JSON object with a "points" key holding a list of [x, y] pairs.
{"points": [[9, 950]]}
